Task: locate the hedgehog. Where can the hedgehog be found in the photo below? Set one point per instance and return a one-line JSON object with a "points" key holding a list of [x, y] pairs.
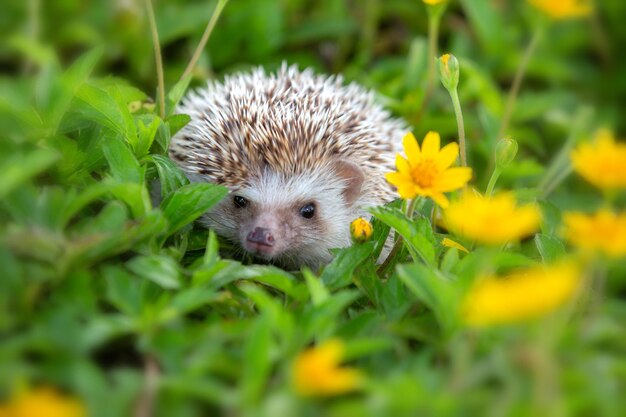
{"points": [[301, 154]]}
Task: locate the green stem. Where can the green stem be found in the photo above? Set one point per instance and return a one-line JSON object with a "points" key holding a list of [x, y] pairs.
{"points": [[433, 37], [560, 166], [410, 211], [205, 38], [517, 81], [157, 57], [492, 181], [460, 125]]}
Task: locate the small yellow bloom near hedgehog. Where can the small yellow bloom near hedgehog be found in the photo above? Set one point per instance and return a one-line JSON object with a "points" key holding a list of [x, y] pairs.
{"points": [[520, 296], [302, 155], [361, 230], [603, 232], [491, 220], [316, 372], [602, 162], [428, 171]]}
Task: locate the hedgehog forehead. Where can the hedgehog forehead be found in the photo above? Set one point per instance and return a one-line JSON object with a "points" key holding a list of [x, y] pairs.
{"points": [[273, 190]]}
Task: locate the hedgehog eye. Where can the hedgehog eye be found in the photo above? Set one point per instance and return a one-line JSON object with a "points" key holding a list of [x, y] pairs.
{"points": [[240, 202], [308, 211]]}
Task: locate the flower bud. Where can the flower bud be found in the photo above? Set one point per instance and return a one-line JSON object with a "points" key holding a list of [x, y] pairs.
{"points": [[506, 149], [448, 71], [360, 230]]}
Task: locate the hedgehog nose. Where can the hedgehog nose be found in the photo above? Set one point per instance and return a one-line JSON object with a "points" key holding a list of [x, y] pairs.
{"points": [[261, 236]]}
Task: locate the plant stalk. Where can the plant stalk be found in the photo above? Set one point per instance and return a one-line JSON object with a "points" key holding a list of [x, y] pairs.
{"points": [[460, 125], [434, 20], [205, 38], [492, 181], [517, 81], [157, 57]]}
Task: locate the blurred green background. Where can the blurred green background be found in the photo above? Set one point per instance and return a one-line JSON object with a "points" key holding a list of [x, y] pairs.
{"points": [[95, 282]]}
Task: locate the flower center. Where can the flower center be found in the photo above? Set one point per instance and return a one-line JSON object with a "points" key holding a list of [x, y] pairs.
{"points": [[425, 173]]}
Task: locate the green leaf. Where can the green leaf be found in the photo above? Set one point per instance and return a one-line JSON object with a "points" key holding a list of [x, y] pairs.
{"points": [[71, 80], [417, 233], [190, 202], [176, 94], [18, 168], [316, 287], [124, 166], [146, 134], [338, 273], [123, 290], [160, 269], [107, 108], [171, 178], [257, 360], [437, 292], [550, 248]]}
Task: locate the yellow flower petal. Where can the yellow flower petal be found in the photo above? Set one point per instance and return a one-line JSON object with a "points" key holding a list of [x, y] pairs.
{"points": [[563, 9], [426, 171], [430, 146], [402, 165], [449, 243], [492, 221], [441, 200], [411, 148], [602, 163], [447, 156], [454, 178], [603, 232], [520, 296], [316, 371], [44, 402]]}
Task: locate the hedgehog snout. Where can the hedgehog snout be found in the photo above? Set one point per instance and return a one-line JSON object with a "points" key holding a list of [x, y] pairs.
{"points": [[260, 240]]}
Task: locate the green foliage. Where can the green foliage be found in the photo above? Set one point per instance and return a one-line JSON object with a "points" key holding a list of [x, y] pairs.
{"points": [[103, 271]]}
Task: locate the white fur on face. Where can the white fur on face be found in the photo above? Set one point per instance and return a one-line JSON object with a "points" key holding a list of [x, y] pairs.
{"points": [[274, 203]]}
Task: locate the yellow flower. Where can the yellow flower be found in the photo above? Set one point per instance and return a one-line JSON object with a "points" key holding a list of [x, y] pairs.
{"points": [[434, 2], [520, 296], [449, 243], [604, 231], [426, 171], [493, 220], [316, 371], [361, 230], [602, 163], [43, 402], [563, 9]]}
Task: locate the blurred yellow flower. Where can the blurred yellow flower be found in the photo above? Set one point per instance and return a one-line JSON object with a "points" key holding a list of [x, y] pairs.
{"points": [[492, 220], [563, 9], [316, 371], [520, 296], [449, 243], [426, 171], [42, 402], [602, 163], [603, 231], [434, 2], [361, 230]]}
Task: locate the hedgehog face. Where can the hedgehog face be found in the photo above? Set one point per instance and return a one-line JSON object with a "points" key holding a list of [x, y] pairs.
{"points": [[291, 221]]}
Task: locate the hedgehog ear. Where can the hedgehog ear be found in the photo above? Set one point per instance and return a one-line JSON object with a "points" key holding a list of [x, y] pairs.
{"points": [[353, 178]]}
